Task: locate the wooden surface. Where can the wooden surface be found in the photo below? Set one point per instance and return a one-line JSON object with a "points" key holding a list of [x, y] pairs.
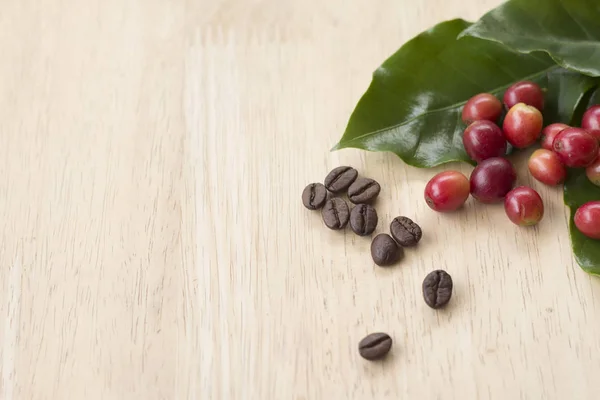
{"points": [[154, 246]]}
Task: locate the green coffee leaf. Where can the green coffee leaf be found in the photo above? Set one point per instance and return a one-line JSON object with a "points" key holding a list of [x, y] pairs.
{"points": [[567, 30], [414, 103], [578, 191]]}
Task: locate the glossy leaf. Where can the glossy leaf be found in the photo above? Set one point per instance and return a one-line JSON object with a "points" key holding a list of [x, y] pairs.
{"points": [[567, 30], [594, 98], [566, 91], [591, 98], [579, 190], [587, 99], [414, 103]]}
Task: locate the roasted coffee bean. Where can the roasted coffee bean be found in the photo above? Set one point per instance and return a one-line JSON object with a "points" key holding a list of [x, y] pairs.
{"points": [[385, 251], [437, 289], [405, 231], [363, 219], [363, 190], [375, 346], [314, 196], [340, 178], [335, 213]]}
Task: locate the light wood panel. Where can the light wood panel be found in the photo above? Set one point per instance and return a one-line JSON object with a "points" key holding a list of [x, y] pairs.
{"points": [[154, 245]]}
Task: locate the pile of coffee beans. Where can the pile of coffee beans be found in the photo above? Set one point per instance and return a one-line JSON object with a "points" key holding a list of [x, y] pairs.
{"points": [[330, 197], [386, 250], [335, 210], [360, 191]]}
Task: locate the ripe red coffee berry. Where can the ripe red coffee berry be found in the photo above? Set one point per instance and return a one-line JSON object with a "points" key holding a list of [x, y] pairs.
{"points": [[550, 132], [591, 121], [524, 92], [587, 219], [575, 147], [447, 191], [545, 166], [483, 140], [482, 107], [524, 206], [522, 125], [593, 172], [492, 179]]}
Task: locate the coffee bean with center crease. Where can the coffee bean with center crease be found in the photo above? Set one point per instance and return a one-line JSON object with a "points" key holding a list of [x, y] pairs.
{"points": [[375, 346], [437, 289], [363, 190], [385, 251], [363, 219], [340, 178], [405, 231], [314, 196], [335, 213]]}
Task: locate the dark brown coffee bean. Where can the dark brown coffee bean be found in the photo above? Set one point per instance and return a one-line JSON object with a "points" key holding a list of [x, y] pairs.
{"points": [[363, 190], [405, 231], [375, 346], [437, 289], [363, 219], [335, 213], [340, 178], [385, 251], [314, 196]]}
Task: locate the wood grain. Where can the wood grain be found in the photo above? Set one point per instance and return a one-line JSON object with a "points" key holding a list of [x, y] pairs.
{"points": [[154, 245]]}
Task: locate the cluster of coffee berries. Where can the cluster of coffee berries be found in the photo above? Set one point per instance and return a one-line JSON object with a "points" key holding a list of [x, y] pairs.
{"points": [[493, 179]]}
